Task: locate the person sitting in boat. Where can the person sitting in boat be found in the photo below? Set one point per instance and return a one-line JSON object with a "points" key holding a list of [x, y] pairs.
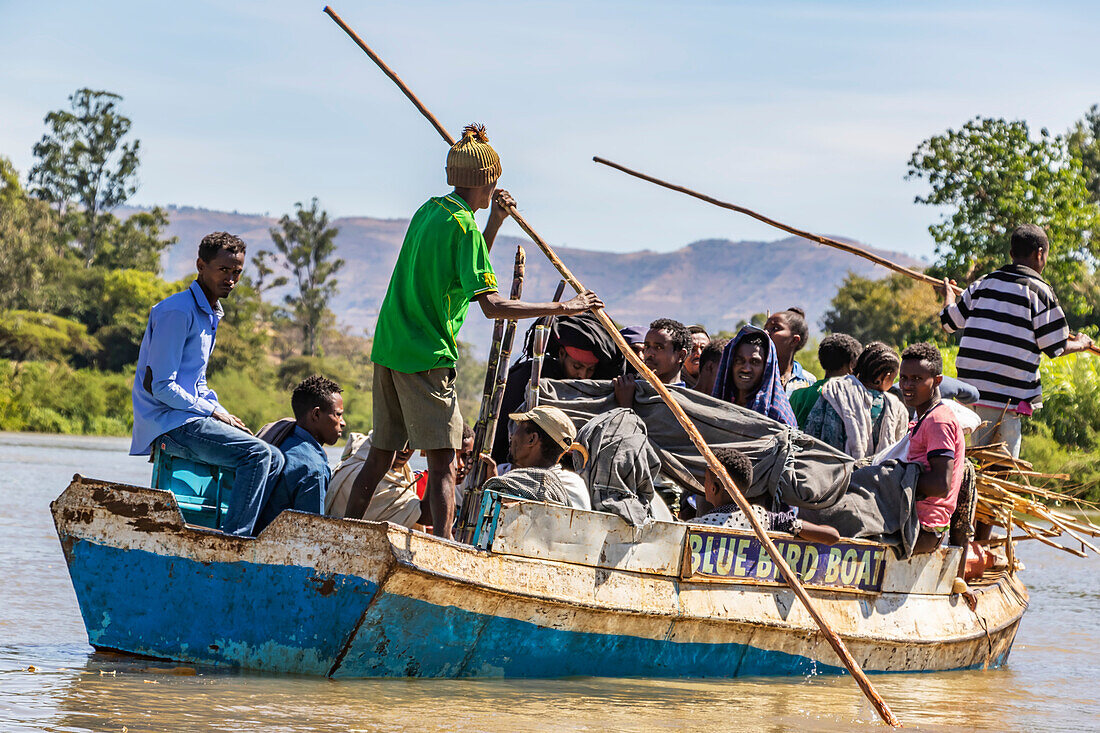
{"points": [[748, 376], [174, 407], [318, 421], [634, 337], [699, 340], [539, 438], [666, 347], [578, 348], [936, 442], [789, 332], [838, 354], [395, 500], [727, 514], [443, 265], [856, 413], [709, 360]]}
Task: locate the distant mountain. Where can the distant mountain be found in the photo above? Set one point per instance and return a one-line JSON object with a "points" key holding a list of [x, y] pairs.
{"points": [[714, 282]]}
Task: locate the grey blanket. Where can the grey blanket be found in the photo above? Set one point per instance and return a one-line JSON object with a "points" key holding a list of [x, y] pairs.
{"points": [[536, 484], [875, 502], [621, 465], [879, 505], [787, 463]]}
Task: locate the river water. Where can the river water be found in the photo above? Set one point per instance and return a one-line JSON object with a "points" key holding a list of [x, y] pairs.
{"points": [[1049, 684]]}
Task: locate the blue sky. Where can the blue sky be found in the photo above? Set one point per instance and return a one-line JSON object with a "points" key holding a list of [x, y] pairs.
{"points": [[807, 112]]}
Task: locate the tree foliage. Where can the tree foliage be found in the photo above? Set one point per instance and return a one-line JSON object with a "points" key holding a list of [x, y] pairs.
{"points": [[307, 244], [1084, 144], [895, 309], [992, 176], [84, 160], [27, 335]]}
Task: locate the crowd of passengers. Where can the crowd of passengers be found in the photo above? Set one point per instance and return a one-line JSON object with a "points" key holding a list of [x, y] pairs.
{"points": [[869, 401]]}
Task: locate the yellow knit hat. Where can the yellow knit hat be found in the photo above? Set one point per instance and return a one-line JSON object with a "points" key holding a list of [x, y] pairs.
{"points": [[472, 162]]}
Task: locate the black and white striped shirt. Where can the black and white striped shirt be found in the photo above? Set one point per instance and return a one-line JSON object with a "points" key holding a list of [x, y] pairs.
{"points": [[1008, 318]]}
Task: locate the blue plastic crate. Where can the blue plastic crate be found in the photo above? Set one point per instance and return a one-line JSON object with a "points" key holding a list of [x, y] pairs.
{"points": [[201, 490]]}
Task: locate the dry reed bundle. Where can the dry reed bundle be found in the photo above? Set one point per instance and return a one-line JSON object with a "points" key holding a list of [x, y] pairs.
{"points": [[1008, 497]]}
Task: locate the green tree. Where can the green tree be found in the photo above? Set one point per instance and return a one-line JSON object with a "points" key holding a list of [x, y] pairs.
{"points": [[992, 176], [27, 244], [307, 244], [84, 160], [27, 335], [895, 309], [1084, 144]]}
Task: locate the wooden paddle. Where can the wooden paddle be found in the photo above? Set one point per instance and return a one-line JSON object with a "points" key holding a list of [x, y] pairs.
{"points": [[693, 433]]}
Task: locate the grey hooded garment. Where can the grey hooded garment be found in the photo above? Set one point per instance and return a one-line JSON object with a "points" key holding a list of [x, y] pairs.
{"points": [[787, 464]]}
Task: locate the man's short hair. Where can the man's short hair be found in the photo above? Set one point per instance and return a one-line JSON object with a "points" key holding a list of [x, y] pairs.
{"points": [[681, 338], [313, 391], [213, 243], [1027, 239], [698, 329], [875, 361], [467, 432], [737, 465], [926, 354], [838, 350], [713, 352]]}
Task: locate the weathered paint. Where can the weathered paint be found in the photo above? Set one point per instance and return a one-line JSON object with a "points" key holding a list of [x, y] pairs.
{"points": [[319, 595]]}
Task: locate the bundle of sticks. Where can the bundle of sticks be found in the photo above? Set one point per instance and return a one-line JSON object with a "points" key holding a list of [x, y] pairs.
{"points": [[1045, 507]]}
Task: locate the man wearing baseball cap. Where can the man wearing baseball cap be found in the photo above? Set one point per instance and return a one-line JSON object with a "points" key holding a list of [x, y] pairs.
{"points": [[539, 438], [443, 266]]}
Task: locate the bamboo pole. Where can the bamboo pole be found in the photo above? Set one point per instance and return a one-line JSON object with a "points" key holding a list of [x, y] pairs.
{"points": [[696, 437], [827, 241], [496, 379]]}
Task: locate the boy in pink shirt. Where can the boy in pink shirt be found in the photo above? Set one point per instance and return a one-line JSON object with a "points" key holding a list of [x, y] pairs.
{"points": [[935, 442]]}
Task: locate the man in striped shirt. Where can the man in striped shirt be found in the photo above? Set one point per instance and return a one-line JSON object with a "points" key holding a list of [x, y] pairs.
{"points": [[1008, 319]]}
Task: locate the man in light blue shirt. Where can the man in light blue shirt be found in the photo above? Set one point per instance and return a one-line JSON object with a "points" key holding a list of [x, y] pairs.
{"points": [[174, 407], [318, 421]]}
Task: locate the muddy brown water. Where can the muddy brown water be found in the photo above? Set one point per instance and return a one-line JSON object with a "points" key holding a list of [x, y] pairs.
{"points": [[1049, 684]]}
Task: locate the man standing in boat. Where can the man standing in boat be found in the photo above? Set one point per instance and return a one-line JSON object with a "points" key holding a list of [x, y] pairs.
{"points": [[443, 265], [1008, 318], [174, 407]]}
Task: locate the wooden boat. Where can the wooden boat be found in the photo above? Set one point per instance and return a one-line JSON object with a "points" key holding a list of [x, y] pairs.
{"points": [[544, 591]]}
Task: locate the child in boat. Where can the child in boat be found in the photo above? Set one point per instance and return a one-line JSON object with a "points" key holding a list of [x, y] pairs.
{"points": [[727, 514], [788, 331], [173, 406], [319, 421], [838, 354], [748, 375], [708, 365], [856, 414], [936, 442], [443, 266], [539, 438]]}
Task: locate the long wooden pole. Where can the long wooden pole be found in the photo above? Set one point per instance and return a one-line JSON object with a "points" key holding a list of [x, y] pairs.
{"points": [[696, 437], [827, 241]]}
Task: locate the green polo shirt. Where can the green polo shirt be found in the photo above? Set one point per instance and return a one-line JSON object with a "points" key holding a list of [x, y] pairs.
{"points": [[443, 265]]}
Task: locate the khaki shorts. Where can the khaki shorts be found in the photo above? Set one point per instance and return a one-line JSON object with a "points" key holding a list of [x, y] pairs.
{"points": [[419, 409]]}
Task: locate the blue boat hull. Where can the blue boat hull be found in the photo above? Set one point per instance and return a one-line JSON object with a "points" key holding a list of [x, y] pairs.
{"points": [[149, 585]]}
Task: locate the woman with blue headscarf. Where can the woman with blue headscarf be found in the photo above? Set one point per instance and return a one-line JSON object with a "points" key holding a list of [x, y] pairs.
{"points": [[748, 375]]}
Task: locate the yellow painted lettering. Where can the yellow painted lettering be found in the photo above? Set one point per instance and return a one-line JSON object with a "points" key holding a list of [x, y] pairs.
{"points": [[867, 563], [764, 566], [725, 556], [791, 555], [739, 569], [695, 546], [809, 562], [850, 568], [708, 558], [832, 567]]}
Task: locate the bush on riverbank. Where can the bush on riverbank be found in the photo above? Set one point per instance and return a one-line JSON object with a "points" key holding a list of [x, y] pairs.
{"points": [[51, 397]]}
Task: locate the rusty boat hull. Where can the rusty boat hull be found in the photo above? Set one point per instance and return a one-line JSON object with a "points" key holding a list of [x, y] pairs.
{"points": [[345, 598]]}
